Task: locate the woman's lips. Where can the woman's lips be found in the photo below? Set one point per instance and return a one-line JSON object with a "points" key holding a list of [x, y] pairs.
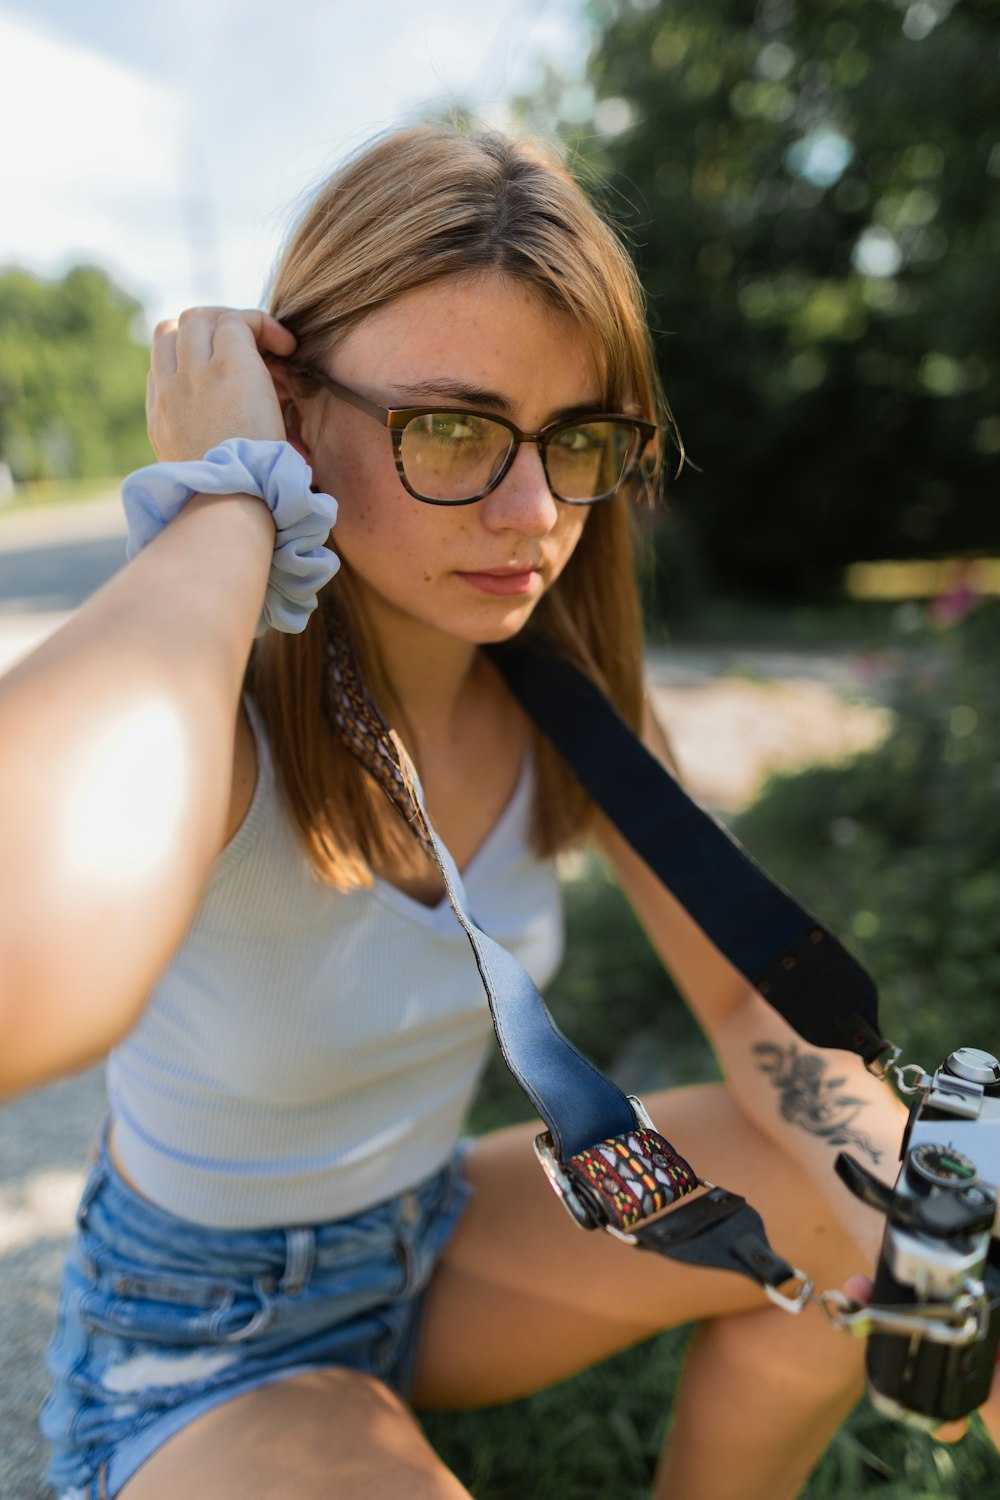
{"points": [[502, 581]]}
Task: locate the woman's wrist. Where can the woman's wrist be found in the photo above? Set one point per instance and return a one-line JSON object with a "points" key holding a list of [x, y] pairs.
{"points": [[153, 497]]}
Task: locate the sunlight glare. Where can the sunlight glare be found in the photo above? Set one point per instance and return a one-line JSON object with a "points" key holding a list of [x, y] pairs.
{"points": [[126, 800]]}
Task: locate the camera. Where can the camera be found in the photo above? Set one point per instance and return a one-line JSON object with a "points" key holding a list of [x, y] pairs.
{"points": [[934, 1318]]}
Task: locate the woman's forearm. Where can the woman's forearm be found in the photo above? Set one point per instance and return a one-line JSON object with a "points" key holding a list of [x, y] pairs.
{"points": [[116, 745], [811, 1101], [814, 1103]]}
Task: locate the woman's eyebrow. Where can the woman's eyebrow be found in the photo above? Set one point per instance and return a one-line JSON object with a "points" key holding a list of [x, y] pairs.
{"points": [[473, 395], [452, 390]]}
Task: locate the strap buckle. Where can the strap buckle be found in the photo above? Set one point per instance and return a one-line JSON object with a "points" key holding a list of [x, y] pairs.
{"points": [[796, 1301], [564, 1189], [620, 1184]]}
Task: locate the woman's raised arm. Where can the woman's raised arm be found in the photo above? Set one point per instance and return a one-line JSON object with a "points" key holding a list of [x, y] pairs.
{"points": [[116, 735]]}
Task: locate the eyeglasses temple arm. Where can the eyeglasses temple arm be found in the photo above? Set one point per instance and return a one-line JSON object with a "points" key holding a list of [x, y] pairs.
{"points": [[381, 413]]}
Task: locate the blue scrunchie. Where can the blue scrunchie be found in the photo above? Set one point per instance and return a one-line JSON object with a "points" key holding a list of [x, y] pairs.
{"points": [[243, 466]]}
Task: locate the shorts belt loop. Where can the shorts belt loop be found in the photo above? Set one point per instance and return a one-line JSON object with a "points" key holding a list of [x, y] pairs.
{"points": [[96, 1179], [300, 1256]]}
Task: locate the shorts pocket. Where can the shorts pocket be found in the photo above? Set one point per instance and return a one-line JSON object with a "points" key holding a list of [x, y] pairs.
{"points": [[136, 1356], [169, 1313]]}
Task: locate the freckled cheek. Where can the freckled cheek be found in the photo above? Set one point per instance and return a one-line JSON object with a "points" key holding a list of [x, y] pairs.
{"points": [[569, 540]]}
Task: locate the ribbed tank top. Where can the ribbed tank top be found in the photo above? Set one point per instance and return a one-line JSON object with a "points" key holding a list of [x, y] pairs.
{"points": [[310, 1052]]}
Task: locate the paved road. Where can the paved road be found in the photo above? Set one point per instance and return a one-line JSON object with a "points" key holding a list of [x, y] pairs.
{"points": [[727, 731]]}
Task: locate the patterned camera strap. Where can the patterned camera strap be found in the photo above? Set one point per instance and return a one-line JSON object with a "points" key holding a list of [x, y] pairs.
{"points": [[622, 1171]]}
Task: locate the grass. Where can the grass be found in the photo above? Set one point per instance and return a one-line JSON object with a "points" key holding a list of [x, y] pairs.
{"points": [[598, 1435]]}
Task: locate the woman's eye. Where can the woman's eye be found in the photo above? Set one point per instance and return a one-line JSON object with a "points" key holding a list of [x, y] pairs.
{"points": [[453, 427], [577, 440]]}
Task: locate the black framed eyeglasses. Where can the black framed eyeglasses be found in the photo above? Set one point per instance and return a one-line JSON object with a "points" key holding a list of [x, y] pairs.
{"points": [[452, 456]]}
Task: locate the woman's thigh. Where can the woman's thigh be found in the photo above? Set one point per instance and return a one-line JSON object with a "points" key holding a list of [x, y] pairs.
{"points": [[330, 1435], [522, 1297]]}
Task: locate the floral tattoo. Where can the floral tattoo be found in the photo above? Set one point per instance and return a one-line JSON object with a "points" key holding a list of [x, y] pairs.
{"points": [[812, 1101]]}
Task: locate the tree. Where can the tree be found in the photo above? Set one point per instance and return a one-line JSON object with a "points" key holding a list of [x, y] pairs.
{"points": [[72, 376], [812, 194]]}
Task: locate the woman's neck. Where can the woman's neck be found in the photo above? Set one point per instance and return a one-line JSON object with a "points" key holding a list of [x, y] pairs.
{"points": [[433, 678]]}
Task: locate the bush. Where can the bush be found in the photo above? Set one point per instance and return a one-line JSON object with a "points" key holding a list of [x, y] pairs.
{"points": [[899, 852]]}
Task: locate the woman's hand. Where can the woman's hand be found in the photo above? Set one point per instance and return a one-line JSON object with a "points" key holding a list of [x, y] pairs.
{"points": [[208, 382], [859, 1289]]}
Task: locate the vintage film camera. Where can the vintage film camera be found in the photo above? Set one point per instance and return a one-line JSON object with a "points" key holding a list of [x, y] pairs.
{"points": [[935, 1312]]}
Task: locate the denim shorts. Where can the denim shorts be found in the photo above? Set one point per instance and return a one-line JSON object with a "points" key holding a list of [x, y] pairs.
{"points": [[161, 1319]]}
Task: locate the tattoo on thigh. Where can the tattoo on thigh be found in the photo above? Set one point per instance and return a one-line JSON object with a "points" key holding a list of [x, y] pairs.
{"points": [[812, 1101]]}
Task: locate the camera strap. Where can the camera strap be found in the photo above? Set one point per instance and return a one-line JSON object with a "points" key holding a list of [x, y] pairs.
{"points": [[795, 963], [602, 1154]]}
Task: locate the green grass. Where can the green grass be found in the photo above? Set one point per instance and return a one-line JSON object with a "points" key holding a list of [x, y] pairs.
{"points": [[598, 1435]]}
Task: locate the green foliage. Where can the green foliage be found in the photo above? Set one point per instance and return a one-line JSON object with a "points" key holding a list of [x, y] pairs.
{"points": [[72, 377], [812, 194], [596, 1435], [899, 852]]}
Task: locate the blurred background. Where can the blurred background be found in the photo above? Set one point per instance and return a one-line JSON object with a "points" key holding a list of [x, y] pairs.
{"points": [[811, 192], [811, 189]]}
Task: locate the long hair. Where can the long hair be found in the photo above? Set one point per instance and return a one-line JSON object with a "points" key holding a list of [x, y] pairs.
{"points": [[417, 205]]}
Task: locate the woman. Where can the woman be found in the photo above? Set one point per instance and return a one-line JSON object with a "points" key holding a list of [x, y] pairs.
{"points": [[279, 1244]]}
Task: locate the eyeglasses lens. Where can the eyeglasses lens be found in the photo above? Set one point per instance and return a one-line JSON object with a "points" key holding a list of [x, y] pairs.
{"points": [[589, 462], [454, 456]]}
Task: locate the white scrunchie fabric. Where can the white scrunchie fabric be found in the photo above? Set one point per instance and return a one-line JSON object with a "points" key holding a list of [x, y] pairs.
{"points": [[281, 478]]}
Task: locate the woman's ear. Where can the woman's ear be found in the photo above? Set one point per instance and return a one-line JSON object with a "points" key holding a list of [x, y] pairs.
{"points": [[291, 413]]}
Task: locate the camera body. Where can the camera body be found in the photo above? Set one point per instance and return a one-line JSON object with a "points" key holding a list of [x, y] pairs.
{"points": [[938, 1275]]}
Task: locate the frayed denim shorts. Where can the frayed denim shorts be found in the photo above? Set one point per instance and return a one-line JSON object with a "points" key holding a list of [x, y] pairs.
{"points": [[161, 1319]]}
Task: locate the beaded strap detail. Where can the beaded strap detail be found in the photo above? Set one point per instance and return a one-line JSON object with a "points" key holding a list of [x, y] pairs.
{"points": [[365, 733], [633, 1176]]}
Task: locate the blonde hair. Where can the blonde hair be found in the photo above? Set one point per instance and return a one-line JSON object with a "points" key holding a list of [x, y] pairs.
{"points": [[415, 206]]}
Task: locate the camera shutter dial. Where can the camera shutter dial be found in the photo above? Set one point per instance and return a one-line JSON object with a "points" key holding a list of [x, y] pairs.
{"points": [[933, 1166]]}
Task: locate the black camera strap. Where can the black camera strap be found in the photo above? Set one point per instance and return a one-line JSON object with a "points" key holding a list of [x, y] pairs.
{"points": [[796, 964], [601, 1152]]}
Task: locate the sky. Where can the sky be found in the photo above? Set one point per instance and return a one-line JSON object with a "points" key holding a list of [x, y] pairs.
{"points": [[171, 142]]}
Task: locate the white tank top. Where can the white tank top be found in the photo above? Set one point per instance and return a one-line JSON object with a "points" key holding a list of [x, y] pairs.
{"points": [[310, 1052]]}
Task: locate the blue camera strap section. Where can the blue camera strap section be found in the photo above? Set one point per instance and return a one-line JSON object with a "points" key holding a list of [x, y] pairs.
{"points": [[610, 1166], [795, 963]]}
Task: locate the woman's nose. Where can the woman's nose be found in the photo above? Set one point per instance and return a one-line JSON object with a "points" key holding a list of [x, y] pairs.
{"points": [[522, 501]]}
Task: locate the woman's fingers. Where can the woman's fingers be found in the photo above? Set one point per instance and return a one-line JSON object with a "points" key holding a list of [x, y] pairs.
{"points": [[195, 332], [209, 380], [163, 358], [951, 1432], [270, 334], [235, 336], [198, 328]]}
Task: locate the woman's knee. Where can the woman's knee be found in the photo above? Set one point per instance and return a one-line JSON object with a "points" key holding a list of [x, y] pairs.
{"points": [[800, 1356]]}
